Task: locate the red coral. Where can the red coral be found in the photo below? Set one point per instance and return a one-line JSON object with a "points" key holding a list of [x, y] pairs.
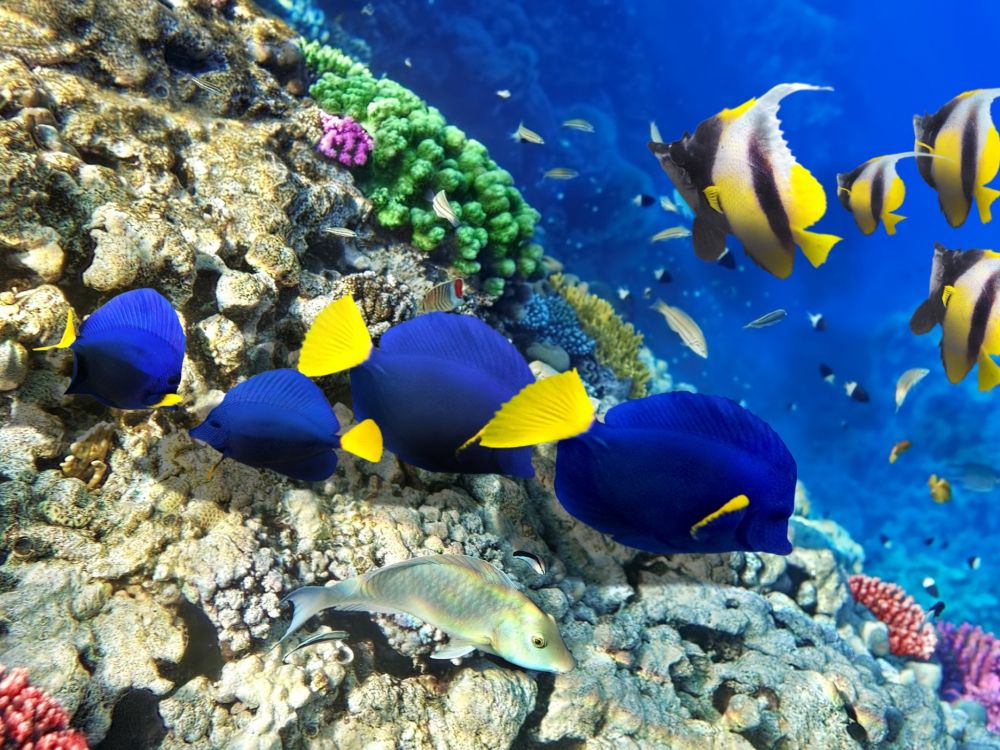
{"points": [[30, 718], [909, 632]]}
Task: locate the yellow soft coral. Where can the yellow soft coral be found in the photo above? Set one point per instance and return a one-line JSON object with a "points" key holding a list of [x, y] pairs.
{"points": [[618, 343]]}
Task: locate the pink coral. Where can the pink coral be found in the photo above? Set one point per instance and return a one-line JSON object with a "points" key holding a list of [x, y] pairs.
{"points": [[345, 140], [30, 718], [909, 632], [970, 668]]}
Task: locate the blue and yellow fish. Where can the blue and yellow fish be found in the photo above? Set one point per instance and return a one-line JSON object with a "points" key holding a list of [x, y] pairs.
{"points": [[129, 352], [280, 420], [432, 382], [674, 472]]}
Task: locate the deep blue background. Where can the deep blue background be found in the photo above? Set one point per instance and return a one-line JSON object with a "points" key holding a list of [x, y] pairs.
{"points": [[621, 64]]}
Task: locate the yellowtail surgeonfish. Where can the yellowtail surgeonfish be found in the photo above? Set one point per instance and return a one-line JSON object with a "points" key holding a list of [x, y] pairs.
{"points": [[470, 600], [962, 133], [740, 177], [965, 300], [873, 191]]}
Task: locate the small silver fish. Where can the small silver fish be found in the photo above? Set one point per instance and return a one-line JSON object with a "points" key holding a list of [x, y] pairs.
{"points": [[442, 208], [775, 316], [408, 62], [578, 123], [467, 598], [674, 233], [536, 563], [503, 94], [668, 205], [443, 297], [906, 381], [206, 86], [551, 265], [684, 326], [647, 292], [524, 135], [561, 173], [368, 10], [341, 232], [654, 132]]}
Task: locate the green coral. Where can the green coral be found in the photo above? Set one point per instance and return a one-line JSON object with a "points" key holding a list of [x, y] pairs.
{"points": [[618, 343], [417, 153]]}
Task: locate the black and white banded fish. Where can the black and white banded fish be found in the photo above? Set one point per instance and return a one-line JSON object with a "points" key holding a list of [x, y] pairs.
{"points": [[961, 132], [873, 191], [740, 177], [443, 297]]}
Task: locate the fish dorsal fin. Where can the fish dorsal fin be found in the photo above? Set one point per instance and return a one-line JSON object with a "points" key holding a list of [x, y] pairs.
{"points": [[726, 516], [484, 570], [713, 418], [463, 339], [769, 126], [145, 310], [287, 390], [336, 341]]}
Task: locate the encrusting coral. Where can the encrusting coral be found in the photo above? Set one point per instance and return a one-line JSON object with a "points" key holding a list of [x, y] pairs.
{"points": [[910, 634]]}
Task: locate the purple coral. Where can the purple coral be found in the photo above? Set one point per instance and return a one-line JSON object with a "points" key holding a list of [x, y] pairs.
{"points": [[970, 661], [344, 140]]}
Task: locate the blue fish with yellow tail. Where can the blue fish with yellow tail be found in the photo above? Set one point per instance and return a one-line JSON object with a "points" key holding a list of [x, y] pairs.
{"points": [[280, 420], [432, 382], [129, 352], [674, 472]]}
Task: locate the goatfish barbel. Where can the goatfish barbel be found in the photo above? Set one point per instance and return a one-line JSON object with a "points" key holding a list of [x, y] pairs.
{"points": [[477, 605]]}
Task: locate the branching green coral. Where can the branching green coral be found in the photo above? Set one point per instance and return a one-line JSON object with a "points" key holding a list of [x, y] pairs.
{"points": [[618, 343], [416, 154]]}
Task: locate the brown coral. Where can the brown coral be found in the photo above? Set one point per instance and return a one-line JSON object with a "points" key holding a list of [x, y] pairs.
{"points": [[87, 455], [384, 302]]}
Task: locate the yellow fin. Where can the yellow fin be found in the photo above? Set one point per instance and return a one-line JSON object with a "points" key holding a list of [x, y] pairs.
{"points": [[712, 195], [738, 503], [989, 372], [363, 440], [984, 198], [946, 294], [728, 115], [890, 221], [552, 409], [68, 337], [170, 399], [816, 247], [808, 202], [338, 340]]}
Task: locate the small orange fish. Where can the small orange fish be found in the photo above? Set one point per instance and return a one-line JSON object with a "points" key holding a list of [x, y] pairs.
{"points": [[940, 489], [899, 449]]}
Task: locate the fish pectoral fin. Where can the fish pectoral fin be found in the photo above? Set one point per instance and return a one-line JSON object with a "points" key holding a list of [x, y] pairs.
{"points": [[891, 220], [363, 440], [713, 198], [68, 337], [544, 411], [337, 340], [815, 246], [169, 399], [989, 372], [946, 294], [454, 649], [724, 517], [708, 235]]}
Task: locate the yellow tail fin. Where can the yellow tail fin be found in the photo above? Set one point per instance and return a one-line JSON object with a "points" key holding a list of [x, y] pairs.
{"points": [[984, 198], [338, 340], [552, 409], [891, 220], [989, 372], [363, 440], [815, 246], [68, 337], [170, 399]]}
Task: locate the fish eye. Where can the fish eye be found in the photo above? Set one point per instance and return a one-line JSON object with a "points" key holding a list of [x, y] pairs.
{"points": [[538, 640]]}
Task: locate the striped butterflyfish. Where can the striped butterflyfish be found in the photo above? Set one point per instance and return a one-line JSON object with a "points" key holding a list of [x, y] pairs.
{"points": [[741, 178], [443, 297], [873, 191], [961, 132], [964, 299]]}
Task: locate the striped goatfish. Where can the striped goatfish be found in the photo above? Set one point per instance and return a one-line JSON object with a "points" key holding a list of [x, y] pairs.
{"points": [[470, 600], [962, 132], [873, 191], [740, 177], [964, 299]]}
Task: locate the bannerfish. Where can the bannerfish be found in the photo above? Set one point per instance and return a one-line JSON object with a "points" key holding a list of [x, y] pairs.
{"points": [[524, 135], [432, 381], [826, 372], [561, 173], [940, 489], [443, 297], [906, 382], [740, 177], [873, 191], [817, 321], [963, 295], [673, 472], [684, 326], [280, 420], [470, 600], [856, 393], [899, 449], [673, 233], [578, 123], [962, 133], [643, 201], [129, 352], [769, 319], [443, 208]]}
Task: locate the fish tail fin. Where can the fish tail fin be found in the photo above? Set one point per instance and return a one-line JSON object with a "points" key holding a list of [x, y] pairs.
{"points": [[989, 372], [311, 600], [169, 399], [552, 409], [68, 337], [363, 440], [338, 340], [984, 199], [815, 246], [891, 220]]}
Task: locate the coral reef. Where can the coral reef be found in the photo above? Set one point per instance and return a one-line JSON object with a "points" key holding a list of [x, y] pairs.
{"points": [[30, 718], [971, 667], [344, 140], [910, 633], [556, 324]]}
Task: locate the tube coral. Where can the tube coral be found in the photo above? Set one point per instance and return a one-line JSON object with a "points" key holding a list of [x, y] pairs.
{"points": [[909, 632], [344, 140]]}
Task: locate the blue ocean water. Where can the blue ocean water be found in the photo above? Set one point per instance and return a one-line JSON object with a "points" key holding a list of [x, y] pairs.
{"points": [[621, 64]]}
